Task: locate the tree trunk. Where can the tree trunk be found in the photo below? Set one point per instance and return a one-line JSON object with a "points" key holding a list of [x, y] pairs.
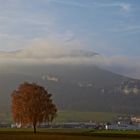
{"points": [[34, 125]]}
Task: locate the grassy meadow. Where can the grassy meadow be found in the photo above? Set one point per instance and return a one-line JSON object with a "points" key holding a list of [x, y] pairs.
{"points": [[76, 116], [73, 116], [67, 134], [55, 137]]}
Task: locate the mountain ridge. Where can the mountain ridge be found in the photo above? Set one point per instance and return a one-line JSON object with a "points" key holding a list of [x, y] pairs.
{"points": [[83, 88]]}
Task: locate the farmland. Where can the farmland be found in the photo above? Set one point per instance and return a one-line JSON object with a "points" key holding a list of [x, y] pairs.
{"points": [[67, 134], [73, 116], [77, 116]]}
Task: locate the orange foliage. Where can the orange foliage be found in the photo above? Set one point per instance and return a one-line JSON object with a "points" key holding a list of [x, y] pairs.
{"points": [[32, 105]]}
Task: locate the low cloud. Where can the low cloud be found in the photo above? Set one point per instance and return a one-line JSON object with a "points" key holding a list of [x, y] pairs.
{"points": [[128, 66], [47, 52], [43, 52]]}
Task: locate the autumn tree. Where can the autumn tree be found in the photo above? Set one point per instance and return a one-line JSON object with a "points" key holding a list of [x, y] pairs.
{"points": [[32, 105]]}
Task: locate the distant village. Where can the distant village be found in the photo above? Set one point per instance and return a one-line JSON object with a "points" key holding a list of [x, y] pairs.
{"points": [[121, 123]]}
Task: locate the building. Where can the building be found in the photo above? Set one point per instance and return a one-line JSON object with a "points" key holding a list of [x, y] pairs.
{"points": [[135, 119]]}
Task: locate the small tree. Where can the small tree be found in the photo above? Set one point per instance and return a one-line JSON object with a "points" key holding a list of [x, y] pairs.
{"points": [[32, 105]]}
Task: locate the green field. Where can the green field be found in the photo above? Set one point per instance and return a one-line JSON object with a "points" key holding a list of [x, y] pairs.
{"points": [[73, 116], [67, 134], [55, 137]]}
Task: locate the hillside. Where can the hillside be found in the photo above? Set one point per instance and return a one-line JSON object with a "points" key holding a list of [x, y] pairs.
{"points": [[79, 88]]}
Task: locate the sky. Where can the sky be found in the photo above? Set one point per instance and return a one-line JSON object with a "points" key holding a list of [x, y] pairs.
{"points": [[52, 29]]}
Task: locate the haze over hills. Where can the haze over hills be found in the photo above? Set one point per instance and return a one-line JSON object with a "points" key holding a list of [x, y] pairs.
{"points": [[76, 78], [77, 87]]}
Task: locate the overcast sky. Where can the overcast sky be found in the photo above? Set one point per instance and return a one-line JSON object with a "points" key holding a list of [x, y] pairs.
{"points": [[54, 28]]}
